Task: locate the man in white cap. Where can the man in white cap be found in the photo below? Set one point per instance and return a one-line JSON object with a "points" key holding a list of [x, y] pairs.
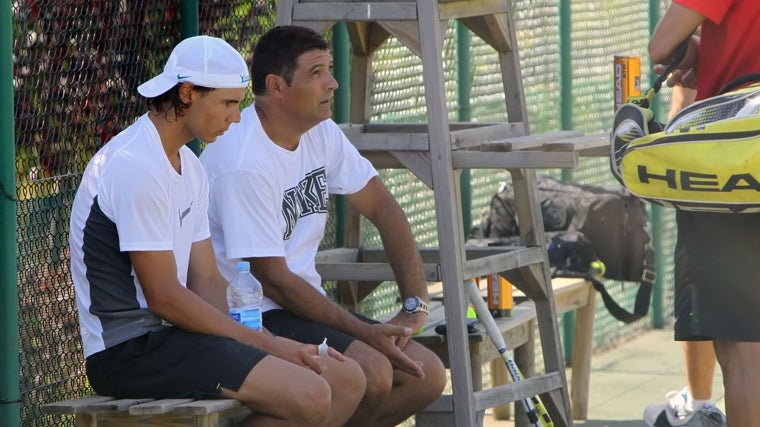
{"points": [[152, 303]]}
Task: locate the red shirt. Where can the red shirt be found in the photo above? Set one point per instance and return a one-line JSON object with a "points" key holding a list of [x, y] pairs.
{"points": [[729, 43]]}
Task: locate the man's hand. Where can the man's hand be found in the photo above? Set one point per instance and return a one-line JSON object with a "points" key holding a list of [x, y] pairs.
{"points": [[679, 77], [414, 321], [306, 355], [383, 337]]}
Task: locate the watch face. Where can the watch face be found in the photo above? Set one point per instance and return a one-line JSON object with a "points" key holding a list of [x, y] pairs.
{"points": [[410, 304]]}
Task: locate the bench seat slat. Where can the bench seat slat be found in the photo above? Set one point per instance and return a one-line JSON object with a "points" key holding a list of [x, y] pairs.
{"points": [[73, 406], [118, 405], [157, 407], [202, 407]]}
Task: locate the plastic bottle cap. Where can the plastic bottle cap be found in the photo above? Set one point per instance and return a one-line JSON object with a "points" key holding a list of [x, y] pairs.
{"points": [[243, 266]]}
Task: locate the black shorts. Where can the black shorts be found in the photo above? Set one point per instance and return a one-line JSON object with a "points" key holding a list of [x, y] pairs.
{"points": [[172, 363], [717, 277], [285, 324]]}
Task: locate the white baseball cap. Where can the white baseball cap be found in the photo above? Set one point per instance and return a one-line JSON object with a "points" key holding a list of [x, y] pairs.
{"points": [[202, 60]]}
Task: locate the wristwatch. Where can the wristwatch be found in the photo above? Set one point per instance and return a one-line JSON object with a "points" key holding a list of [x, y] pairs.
{"points": [[415, 304]]}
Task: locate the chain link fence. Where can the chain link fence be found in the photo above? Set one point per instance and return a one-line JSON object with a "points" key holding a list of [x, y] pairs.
{"points": [[76, 67]]}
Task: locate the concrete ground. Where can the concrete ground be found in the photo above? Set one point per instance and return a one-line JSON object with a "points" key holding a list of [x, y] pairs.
{"points": [[626, 379]]}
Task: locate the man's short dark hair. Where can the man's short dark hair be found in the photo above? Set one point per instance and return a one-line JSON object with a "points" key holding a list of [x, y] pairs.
{"points": [[277, 53]]}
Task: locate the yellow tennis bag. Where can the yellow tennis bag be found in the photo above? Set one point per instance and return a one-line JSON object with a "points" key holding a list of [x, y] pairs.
{"points": [[707, 158]]}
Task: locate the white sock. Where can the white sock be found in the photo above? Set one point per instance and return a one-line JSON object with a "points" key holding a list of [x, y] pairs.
{"points": [[695, 404]]}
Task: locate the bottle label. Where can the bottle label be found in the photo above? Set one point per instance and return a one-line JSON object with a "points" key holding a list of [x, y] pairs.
{"points": [[250, 317]]}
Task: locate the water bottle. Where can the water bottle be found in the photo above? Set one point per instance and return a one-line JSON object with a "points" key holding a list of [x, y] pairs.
{"points": [[244, 296]]}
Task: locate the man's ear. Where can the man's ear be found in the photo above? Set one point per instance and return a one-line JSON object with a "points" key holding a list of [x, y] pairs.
{"points": [[275, 85], [186, 92]]}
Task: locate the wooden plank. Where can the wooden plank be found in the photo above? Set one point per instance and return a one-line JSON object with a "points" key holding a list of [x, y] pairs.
{"points": [[433, 254], [203, 407], [581, 363], [372, 265], [570, 294], [474, 137], [418, 163], [407, 32], [367, 271], [364, 11], [73, 406], [423, 127], [492, 28], [367, 142], [338, 255], [513, 160], [118, 405], [481, 266], [530, 142], [452, 9], [515, 391], [156, 407], [589, 145]]}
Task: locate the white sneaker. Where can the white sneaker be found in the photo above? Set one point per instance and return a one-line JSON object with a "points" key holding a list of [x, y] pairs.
{"points": [[675, 410], [676, 413]]}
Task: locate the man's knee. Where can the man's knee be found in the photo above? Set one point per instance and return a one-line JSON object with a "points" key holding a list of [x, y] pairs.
{"points": [[346, 378], [377, 369], [281, 389], [435, 371]]}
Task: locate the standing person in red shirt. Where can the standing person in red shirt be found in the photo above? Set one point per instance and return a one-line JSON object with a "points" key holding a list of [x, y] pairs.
{"points": [[716, 268]]}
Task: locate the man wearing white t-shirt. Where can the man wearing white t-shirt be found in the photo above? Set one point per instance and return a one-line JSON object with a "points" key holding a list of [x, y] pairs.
{"points": [[270, 177], [152, 303]]}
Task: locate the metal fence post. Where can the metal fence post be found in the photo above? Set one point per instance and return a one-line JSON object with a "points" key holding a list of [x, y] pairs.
{"points": [[464, 114], [189, 27], [657, 318], [341, 111], [10, 405], [566, 123]]}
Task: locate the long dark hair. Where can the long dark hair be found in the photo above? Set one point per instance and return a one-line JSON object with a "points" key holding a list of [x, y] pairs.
{"points": [[170, 100]]}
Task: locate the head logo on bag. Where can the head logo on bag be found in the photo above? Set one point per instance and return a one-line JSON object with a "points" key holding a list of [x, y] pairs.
{"points": [[707, 158]]}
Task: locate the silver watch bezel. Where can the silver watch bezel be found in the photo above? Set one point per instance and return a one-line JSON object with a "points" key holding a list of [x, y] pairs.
{"points": [[419, 305]]}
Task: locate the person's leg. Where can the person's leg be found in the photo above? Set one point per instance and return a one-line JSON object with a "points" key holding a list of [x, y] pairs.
{"points": [[699, 358], [373, 393], [172, 363], [347, 385], [284, 394], [741, 380], [393, 396], [410, 394]]}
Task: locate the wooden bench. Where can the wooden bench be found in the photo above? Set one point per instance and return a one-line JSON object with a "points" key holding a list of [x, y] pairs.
{"points": [[518, 333], [517, 330], [92, 411]]}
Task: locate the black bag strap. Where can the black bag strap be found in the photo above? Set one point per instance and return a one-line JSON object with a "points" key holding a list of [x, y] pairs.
{"points": [[747, 78], [643, 296]]}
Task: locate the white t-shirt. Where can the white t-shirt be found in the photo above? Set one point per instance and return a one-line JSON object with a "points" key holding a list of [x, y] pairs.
{"points": [[267, 201], [131, 199]]}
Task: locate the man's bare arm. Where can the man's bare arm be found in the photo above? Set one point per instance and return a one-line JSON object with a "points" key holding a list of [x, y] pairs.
{"points": [[378, 205], [298, 297], [185, 309]]}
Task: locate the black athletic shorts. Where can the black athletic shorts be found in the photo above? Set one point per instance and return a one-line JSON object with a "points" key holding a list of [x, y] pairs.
{"points": [[717, 276], [171, 363], [285, 324]]}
